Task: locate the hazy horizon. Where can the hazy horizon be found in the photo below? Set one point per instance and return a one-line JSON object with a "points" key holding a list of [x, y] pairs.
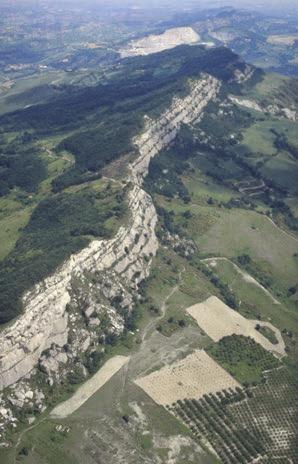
{"points": [[271, 4]]}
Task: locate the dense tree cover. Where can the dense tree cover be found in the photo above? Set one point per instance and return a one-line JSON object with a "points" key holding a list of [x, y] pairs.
{"points": [[94, 148], [188, 61], [59, 226], [243, 358], [20, 165], [145, 85]]}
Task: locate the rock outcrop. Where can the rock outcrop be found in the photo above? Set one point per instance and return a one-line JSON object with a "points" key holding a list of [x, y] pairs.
{"points": [[102, 280], [276, 109], [45, 321]]}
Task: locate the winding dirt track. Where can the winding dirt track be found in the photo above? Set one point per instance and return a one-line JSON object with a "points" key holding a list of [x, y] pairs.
{"points": [[247, 277], [281, 230], [152, 324]]}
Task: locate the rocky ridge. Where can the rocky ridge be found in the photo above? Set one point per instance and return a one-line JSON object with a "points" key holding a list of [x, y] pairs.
{"points": [[64, 314]]}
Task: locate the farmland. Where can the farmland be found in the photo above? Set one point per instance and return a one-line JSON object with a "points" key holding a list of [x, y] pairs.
{"points": [[196, 375], [219, 321], [225, 420], [243, 358]]}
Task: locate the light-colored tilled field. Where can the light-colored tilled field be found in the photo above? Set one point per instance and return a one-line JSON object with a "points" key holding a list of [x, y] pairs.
{"points": [[191, 377], [85, 391], [218, 320]]}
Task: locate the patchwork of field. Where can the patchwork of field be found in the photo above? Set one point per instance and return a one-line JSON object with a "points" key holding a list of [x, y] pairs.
{"points": [[120, 423], [193, 377], [273, 412], [218, 321]]}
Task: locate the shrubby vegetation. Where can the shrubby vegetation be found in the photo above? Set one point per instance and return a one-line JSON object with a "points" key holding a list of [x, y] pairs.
{"points": [[165, 169], [281, 143], [268, 333]]}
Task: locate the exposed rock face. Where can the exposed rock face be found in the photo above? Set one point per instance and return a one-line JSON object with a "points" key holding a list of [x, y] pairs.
{"points": [[245, 74], [274, 109], [156, 43], [102, 280], [161, 132], [45, 321]]}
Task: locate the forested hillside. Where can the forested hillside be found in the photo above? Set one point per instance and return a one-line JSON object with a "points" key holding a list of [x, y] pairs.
{"points": [[96, 125]]}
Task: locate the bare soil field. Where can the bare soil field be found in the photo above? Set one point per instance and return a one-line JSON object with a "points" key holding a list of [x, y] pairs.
{"points": [[219, 320], [90, 387], [282, 39], [192, 377]]}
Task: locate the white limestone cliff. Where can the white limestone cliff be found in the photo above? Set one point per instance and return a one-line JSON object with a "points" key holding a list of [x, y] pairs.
{"points": [[119, 262]]}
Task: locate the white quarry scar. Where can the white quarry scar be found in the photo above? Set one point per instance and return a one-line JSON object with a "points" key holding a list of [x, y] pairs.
{"points": [[45, 319]]}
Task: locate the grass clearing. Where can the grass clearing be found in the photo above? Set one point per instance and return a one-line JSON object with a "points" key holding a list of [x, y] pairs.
{"points": [[270, 82], [10, 229], [202, 187], [259, 139], [240, 232], [293, 204], [283, 170], [26, 91]]}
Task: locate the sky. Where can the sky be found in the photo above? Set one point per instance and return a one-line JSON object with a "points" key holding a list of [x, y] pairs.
{"points": [[282, 6]]}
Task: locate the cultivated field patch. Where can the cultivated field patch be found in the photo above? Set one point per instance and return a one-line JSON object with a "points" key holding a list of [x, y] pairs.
{"points": [[218, 320], [282, 39], [192, 377], [90, 387]]}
